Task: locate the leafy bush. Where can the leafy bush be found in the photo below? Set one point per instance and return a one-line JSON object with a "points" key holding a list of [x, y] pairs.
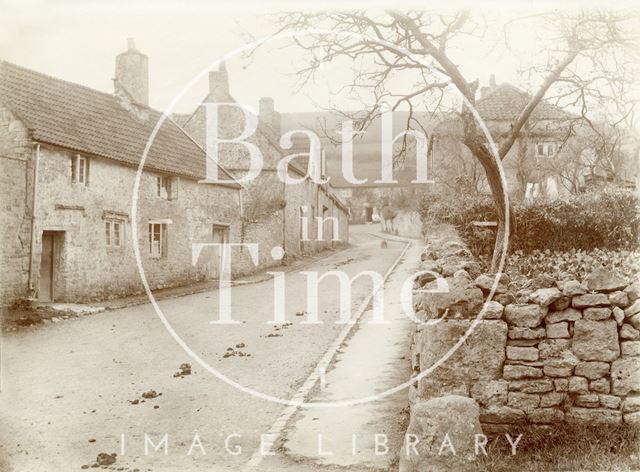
{"points": [[606, 219]]}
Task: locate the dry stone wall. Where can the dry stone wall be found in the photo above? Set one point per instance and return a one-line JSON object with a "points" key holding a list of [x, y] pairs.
{"points": [[569, 353]]}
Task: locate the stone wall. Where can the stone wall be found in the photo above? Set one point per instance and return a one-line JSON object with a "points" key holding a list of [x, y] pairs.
{"points": [[16, 181], [571, 353]]}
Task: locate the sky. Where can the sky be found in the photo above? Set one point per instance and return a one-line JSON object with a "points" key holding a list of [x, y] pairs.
{"points": [[78, 41]]}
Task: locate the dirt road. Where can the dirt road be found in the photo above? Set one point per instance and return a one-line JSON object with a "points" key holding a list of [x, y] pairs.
{"points": [[112, 382]]}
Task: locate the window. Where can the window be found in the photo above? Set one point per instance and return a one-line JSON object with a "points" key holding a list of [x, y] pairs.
{"points": [[79, 170], [158, 239], [113, 232], [546, 149], [167, 187]]}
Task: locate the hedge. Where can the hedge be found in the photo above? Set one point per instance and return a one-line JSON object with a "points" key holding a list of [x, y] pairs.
{"points": [[606, 219]]}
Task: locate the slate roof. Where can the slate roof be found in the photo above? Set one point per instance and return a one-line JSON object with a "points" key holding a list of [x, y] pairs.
{"points": [[85, 120]]}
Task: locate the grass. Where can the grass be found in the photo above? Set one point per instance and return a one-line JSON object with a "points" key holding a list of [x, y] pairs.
{"points": [[567, 447]]}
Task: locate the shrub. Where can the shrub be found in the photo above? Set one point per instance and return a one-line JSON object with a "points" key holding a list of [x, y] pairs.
{"points": [[606, 219]]}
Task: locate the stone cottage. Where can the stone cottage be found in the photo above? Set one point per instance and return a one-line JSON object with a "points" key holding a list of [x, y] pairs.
{"points": [[549, 157], [69, 156], [302, 218]]}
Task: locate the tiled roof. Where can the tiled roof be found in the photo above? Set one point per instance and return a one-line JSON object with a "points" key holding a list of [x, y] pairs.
{"points": [[506, 102], [86, 120]]}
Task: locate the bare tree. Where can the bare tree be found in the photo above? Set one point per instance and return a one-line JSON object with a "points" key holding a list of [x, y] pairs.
{"points": [[587, 50]]}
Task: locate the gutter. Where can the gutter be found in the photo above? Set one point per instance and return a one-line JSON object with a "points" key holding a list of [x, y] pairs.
{"points": [[33, 218]]}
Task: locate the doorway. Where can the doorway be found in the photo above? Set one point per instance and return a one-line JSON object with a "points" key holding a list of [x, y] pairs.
{"points": [[51, 247], [220, 235]]}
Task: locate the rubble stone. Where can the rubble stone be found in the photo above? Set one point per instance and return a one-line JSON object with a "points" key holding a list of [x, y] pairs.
{"points": [[602, 280], [625, 376], [595, 340], [526, 315], [545, 296], [592, 370], [569, 314], [558, 330], [522, 353], [590, 299], [594, 415]]}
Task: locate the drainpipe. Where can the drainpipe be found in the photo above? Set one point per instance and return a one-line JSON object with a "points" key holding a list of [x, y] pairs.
{"points": [[33, 217]]}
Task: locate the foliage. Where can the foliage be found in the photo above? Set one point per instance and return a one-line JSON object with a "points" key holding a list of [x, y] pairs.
{"points": [[605, 219]]}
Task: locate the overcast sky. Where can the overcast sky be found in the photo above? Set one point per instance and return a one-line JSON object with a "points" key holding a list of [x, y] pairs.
{"points": [[77, 40]]}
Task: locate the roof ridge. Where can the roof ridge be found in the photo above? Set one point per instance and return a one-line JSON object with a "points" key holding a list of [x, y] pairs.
{"points": [[69, 82]]}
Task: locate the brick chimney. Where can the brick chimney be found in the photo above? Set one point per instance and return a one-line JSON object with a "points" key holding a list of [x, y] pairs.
{"points": [[268, 117], [485, 91], [219, 81], [132, 74]]}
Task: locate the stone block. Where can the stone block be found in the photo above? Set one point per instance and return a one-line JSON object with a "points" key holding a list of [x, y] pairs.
{"points": [[619, 299], [545, 296], [592, 370], [551, 399], [490, 392], [590, 299], [558, 330], [595, 340], [588, 400], [501, 414], [531, 386], [573, 287], [596, 313], [492, 310], [618, 315], [629, 332], [593, 416], [454, 415], [560, 366], [610, 401], [631, 404], [517, 372], [546, 415], [523, 401], [463, 300], [600, 386], [516, 332], [561, 385], [525, 315], [553, 347], [578, 385], [602, 280], [630, 348], [633, 291], [561, 303], [625, 376], [522, 353], [480, 357], [568, 314], [633, 309]]}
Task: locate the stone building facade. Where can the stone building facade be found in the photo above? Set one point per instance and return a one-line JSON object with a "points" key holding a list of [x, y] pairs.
{"points": [[69, 157], [286, 214]]}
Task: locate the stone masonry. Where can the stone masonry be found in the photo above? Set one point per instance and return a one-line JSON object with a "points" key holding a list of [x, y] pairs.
{"points": [[570, 353]]}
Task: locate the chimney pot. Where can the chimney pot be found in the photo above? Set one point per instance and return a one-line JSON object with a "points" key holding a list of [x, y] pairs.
{"points": [[131, 44]]}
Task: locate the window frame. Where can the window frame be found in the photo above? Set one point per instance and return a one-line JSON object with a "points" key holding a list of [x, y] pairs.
{"points": [[77, 177], [162, 233], [110, 232]]}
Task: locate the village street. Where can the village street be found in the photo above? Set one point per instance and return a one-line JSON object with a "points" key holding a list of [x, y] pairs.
{"points": [[74, 389]]}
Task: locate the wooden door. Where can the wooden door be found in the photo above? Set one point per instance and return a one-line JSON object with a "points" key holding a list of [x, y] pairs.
{"points": [[220, 236], [45, 291]]}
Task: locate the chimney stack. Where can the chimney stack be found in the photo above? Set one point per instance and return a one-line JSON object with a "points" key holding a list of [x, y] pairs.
{"points": [[132, 74], [492, 80], [219, 81], [267, 115]]}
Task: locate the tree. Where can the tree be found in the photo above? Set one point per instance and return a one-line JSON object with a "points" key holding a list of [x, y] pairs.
{"points": [[586, 50]]}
